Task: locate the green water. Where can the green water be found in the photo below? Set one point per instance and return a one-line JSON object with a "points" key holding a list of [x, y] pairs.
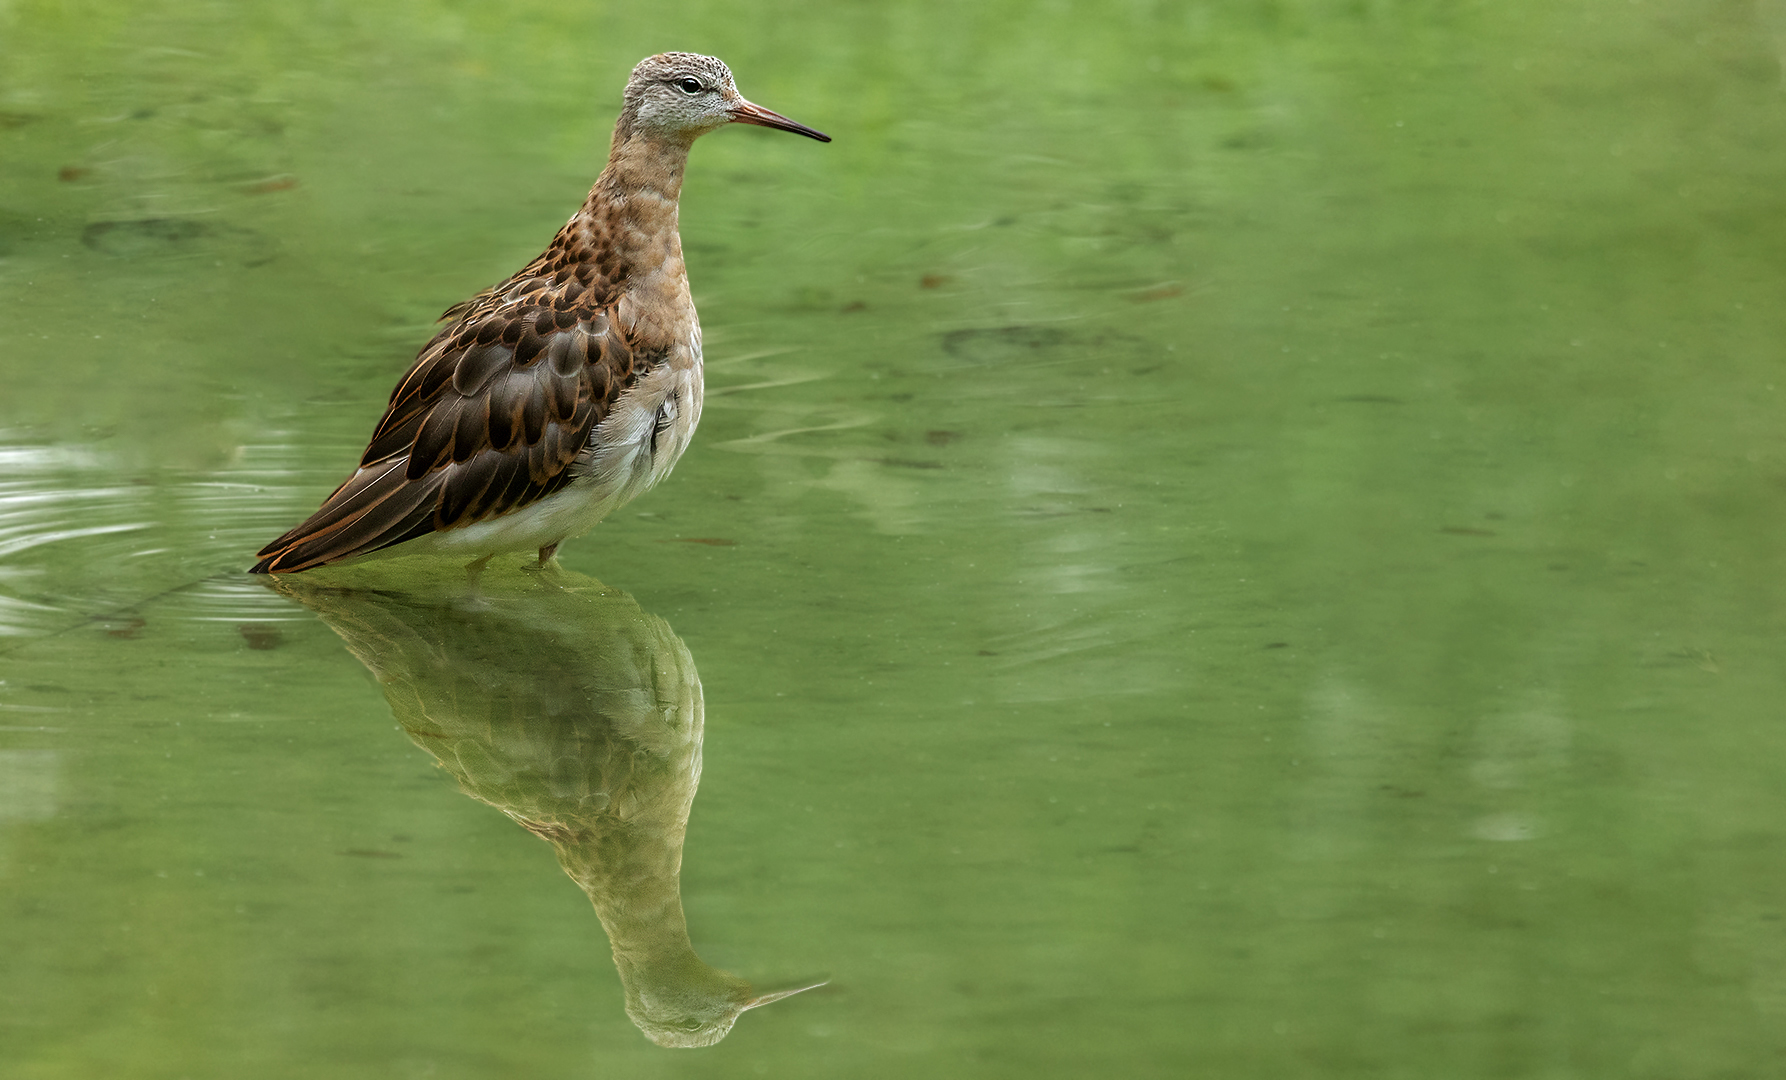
{"points": [[1230, 540]]}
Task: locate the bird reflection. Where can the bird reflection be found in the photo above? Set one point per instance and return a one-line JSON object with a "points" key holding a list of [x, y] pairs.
{"points": [[557, 701]]}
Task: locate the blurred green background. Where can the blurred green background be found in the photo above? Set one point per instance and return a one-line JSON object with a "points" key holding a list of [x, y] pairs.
{"points": [[1228, 539]]}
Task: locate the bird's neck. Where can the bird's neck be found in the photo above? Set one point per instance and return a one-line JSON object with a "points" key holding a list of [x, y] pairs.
{"points": [[641, 163], [631, 210], [632, 874], [627, 226]]}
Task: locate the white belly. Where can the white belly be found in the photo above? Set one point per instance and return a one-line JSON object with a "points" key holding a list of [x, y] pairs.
{"points": [[634, 447]]}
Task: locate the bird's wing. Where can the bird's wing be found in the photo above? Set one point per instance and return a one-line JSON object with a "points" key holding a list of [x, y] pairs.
{"points": [[490, 418]]}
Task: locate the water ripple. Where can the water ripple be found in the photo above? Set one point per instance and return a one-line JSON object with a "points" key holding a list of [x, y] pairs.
{"points": [[78, 547], [60, 507], [233, 598]]}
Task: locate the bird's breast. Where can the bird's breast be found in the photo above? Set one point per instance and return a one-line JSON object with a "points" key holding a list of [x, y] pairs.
{"points": [[639, 441]]}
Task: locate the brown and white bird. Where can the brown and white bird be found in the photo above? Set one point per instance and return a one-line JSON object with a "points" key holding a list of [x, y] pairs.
{"points": [[562, 393]]}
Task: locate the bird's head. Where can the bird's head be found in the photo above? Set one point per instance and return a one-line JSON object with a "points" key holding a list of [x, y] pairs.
{"points": [[679, 96], [682, 1002]]}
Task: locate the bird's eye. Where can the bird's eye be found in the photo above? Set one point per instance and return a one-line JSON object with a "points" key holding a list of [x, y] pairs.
{"points": [[689, 85]]}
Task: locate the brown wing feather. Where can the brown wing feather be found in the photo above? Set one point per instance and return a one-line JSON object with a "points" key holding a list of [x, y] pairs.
{"points": [[491, 417]]}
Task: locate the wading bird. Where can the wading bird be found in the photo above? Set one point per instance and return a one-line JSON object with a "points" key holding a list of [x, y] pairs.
{"points": [[562, 393]]}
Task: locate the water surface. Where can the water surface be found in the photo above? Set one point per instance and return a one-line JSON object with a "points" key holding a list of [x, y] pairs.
{"points": [[1226, 539]]}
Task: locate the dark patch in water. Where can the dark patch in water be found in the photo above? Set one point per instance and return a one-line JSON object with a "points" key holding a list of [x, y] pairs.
{"points": [[905, 463], [1002, 343], [128, 630], [1161, 292], [146, 237], [129, 237], [260, 636]]}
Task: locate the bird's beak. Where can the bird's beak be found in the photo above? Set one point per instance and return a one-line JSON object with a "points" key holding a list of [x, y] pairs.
{"points": [[747, 113], [777, 995]]}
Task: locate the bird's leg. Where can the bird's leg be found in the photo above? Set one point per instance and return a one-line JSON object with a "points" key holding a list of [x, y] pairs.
{"points": [[546, 554], [475, 569]]}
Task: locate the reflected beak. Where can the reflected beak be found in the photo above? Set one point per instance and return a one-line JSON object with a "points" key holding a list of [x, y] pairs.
{"points": [[747, 113], [777, 995]]}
